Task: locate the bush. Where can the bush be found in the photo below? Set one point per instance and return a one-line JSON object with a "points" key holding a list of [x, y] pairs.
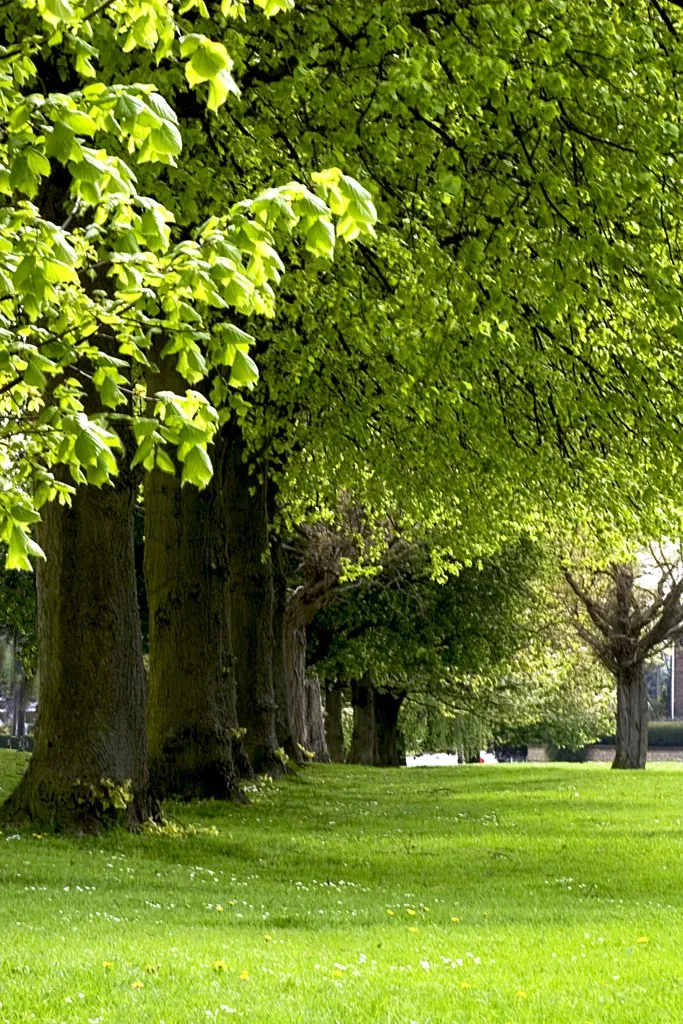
{"points": [[566, 754], [665, 734]]}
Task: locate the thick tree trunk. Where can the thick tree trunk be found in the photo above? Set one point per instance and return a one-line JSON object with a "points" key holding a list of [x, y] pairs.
{"points": [[334, 730], [192, 714], [192, 717], [315, 738], [632, 718], [364, 739], [251, 602], [390, 753], [89, 767]]}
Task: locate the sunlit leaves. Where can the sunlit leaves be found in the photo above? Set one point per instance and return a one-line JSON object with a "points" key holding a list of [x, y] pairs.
{"points": [[209, 62]]}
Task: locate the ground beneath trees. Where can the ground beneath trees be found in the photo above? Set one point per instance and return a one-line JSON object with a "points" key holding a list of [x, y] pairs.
{"points": [[488, 894]]}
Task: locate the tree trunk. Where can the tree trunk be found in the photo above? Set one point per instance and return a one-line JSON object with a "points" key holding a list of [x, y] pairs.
{"points": [[364, 740], [280, 661], [192, 714], [390, 753], [315, 721], [89, 767], [20, 705], [632, 718], [251, 602], [334, 730], [297, 704]]}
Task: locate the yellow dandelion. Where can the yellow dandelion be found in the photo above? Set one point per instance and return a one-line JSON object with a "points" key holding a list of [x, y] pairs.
{"points": [[107, 964], [642, 939], [413, 930], [219, 909], [521, 993], [137, 984], [221, 965], [244, 976], [231, 903], [455, 920], [411, 911], [465, 984], [338, 974], [391, 913], [427, 910], [268, 938]]}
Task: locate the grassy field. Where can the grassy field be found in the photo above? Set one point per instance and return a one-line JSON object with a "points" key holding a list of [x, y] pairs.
{"points": [[486, 894]]}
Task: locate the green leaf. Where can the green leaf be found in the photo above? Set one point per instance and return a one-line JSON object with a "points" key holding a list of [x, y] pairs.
{"points": [[164, 462], [219, 89], [19, 548], [166, 139], [86, 449], [80, 122], [34, 376], [58, 273], [55, 12], [197, 468], [207, 61], [110, 393], [60, 143], [24, 270], [37, 162], [320, 238], [22, 178], [244, 370]]}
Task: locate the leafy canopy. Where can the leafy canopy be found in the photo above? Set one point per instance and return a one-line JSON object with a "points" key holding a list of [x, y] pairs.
{"points": [[92, 267]]}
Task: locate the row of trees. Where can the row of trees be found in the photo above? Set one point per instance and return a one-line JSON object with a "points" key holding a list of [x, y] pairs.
{"points": [[499, 356]]}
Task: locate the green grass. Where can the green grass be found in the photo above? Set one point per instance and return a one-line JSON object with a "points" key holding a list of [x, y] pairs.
{"points": [[555, 873]]}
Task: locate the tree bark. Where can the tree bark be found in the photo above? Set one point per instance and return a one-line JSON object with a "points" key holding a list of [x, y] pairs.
{"points": [[280, 659], [295, 671], [192, 714], [334, 730], [316, 741], [90, 735], [632, 718], [390, 753], [251, 602], [364, 740]]}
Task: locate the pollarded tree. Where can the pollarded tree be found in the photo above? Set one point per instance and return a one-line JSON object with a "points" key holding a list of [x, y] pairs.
{"points": [[626, 614]]}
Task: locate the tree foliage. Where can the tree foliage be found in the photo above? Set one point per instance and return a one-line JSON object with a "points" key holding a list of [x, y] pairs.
{"points": [[92, 267]]}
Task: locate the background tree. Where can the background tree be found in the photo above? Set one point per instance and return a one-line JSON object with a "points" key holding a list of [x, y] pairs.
{"points": [[404, 636], [626, 614]]}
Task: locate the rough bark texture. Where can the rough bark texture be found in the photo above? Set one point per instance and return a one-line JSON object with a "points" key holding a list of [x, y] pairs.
{"points": [[363, 741], [388, 745], [315, 720], [90, 735], [251, 602], [334, 731], [632, 718], [192, 714]]}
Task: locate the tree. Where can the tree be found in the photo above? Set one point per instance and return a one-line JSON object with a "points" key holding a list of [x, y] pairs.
{"points": [[402, 635], [626, 614], [442, 323], [94, 270]]}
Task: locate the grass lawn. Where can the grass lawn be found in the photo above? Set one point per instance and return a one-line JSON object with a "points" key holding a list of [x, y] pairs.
{"points": [[486, 894]]}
